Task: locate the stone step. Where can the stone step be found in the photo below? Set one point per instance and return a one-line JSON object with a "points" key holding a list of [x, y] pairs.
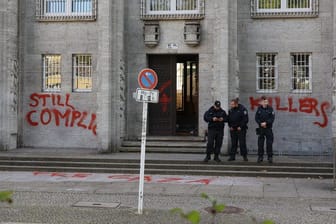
{"points": [[183, 161], [151, 149], [164, 144], [167, 144], [175, 138], [170, 171], [169, 166]]}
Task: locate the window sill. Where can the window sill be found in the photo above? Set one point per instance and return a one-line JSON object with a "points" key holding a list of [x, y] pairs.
{"points": [[171, 16], [284, 14], [58, 18], [82, 91], [302, 91], [267, 91], [51, 90]]}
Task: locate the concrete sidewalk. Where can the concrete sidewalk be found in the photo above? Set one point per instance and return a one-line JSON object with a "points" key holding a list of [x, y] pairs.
{"points": [[170, 184], [284, 200]]}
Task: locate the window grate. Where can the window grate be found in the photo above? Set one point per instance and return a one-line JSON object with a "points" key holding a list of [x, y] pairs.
{"points": [[172, 9], [51, 73], [82, 73], [284, 8], [267, 72], [301, 72], [66, 10]]}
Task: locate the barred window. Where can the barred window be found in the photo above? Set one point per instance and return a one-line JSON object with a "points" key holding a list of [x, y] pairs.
{"points": [[65, 10], [267, 72], [287, 8], [82, 72], [55, 6], [51, 72], [284, 4], [172, 5], [173, 8], [301, 72]]}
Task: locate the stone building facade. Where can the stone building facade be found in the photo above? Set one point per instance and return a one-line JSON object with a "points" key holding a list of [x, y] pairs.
{"points": [[70, 68]]}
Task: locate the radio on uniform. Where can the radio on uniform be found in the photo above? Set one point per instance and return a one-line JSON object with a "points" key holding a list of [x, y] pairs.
{"points": [[149, 96]]}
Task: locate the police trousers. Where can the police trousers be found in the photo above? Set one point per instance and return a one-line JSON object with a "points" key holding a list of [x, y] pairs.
{"points": [[238, 136], [265, 133], [215, 141]]}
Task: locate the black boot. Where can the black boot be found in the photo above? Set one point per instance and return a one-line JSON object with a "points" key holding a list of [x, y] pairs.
{"points": [[217, 158], [207, 158], [245, 158], [260, 159], [270, 159], [232, 158]]}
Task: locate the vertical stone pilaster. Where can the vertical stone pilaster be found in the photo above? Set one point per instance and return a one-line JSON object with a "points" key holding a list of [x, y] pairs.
{"points": [[333, 113], [220, 83], [110, 70], [9, 74], [118, 71], [104, 68], [234, 90]]}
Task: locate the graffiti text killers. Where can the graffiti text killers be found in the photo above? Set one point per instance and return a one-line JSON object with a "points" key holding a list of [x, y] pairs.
{"points": [[306, 105]]}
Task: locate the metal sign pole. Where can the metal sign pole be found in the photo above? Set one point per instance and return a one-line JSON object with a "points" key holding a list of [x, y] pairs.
{"points": [[142, 159]]}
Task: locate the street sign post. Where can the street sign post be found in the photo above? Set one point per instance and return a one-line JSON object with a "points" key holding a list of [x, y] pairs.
{"points": [[147, 80]]}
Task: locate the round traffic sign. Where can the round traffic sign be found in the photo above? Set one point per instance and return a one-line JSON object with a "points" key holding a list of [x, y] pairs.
{"points": [[147, 78]]}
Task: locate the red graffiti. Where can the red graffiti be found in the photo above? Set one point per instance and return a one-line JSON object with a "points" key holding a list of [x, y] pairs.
{"points": [[56, 100], [60, 174], [128, 178], [164, 98], [202, 181], [81, 175], [306, 105], [65, 113], [171, 179]]}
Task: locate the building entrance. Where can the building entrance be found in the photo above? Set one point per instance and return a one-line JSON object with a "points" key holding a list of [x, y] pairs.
{"points": [[177, 110]]}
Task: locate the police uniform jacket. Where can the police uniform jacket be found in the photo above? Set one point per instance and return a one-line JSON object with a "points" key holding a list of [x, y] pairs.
{"points": [[238, 117], [265, 115], [211, 113]]}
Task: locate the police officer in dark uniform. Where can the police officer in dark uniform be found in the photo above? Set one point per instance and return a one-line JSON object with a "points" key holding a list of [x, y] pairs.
{"points": [[238, 119], [215, 117], [265, 118]]}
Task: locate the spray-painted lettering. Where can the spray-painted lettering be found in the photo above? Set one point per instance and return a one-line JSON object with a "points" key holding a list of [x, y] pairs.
{"points": [[306, 105], [56, 109]]}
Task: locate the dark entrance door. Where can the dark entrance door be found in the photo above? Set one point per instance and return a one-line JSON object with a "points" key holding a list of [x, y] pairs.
{"points": [[177, 110]]}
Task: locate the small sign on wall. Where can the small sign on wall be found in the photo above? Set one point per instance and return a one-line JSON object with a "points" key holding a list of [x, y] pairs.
{"points": [[172, 46]]}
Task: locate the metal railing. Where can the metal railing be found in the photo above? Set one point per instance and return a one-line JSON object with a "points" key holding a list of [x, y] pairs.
{"points": [[284, 8], [66, 10]]}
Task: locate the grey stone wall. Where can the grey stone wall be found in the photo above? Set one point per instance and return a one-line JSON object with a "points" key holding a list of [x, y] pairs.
{"points": [[103, 40], [9, 74], [295, 132], [213, 51], [230, 39]]}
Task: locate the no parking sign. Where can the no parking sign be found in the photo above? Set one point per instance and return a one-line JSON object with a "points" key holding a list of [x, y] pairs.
{"points": [[147, 79]]}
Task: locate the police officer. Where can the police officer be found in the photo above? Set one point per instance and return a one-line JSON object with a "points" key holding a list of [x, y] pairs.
{"points": [[265, 118], [215, 117], [238, 119]]}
